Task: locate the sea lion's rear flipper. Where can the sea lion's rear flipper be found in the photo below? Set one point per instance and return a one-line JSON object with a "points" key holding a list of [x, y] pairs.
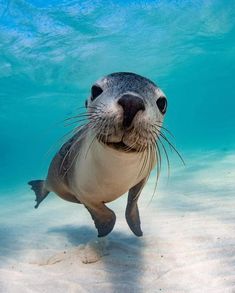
{"points": [[38, 186], [104, 219], [132, 212]]}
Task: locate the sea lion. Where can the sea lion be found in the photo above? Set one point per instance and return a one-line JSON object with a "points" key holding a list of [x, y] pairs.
{"points": [[114, 152]]}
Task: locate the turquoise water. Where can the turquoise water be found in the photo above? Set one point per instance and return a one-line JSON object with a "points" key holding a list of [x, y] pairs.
{"points": [[52, 51]]}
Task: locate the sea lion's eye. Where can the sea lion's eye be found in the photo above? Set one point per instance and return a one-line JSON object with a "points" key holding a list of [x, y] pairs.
{"points": [[162, 104], [95, 92]]}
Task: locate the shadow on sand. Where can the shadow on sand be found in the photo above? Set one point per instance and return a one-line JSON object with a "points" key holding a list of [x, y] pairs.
{"points": [[124, 262]]}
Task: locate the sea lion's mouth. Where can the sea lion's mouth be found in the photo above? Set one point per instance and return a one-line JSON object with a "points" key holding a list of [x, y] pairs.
{"points": [[120, 146]]}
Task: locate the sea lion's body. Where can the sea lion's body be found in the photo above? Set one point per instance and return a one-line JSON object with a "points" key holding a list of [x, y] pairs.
{"points": [[117, 171], [93, 171]]}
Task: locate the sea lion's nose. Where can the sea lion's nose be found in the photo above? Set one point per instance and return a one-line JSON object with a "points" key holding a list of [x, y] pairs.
{"points": [[131, 105]]}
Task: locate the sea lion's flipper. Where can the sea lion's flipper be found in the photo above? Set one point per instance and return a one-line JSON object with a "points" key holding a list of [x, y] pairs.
{"points": [[38, 186], [104, 219], [132, 212]]}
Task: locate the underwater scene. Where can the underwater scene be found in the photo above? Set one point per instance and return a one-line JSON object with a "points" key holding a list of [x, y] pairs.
{"points": [[52, 53]]}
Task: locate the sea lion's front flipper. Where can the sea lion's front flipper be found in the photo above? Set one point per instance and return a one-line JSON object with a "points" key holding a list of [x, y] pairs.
{"points": [[132, 212], [103, 217], [38, 186]]}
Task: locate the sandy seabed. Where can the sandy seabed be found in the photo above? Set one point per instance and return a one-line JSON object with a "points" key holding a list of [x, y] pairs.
{"points": [[188, 243]]}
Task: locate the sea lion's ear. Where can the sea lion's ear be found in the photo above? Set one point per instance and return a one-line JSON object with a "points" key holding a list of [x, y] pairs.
{"points": [[86, 103]]}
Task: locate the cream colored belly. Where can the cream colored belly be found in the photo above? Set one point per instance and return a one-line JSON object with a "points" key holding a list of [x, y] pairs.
{"points": [[102, 174]]}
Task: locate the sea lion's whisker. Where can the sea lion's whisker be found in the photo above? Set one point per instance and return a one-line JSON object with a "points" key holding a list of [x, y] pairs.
{"points": [[130, 148], [165, 129], [158, 157], [87, 114], [142, 155], [142, 162], [83, 116], [74, 144], [89, 147], [172, 146], [63, 138], [149, 164], [107, 132], [82, 119], [101, 127], [147, 156], [158, 153], [158, 133], [167, 157], [75, 122], [77, 116], [65, 157]]}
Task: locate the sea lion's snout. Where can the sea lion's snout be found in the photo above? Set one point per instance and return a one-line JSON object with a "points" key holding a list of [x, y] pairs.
{"points": [[126, 111], [131, 105]]}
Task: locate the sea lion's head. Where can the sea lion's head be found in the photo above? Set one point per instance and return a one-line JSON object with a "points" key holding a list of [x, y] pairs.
{"points": [[126, 111]]}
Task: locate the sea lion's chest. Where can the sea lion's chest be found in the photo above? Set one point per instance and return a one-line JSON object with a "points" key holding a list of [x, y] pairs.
{"points": [[103, 174]]}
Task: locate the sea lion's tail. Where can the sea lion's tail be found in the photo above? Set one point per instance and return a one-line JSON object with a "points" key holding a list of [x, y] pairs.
{"points": [[38, 186]]}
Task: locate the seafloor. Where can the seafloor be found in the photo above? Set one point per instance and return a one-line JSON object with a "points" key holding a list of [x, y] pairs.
{"points": [[188, 243]]}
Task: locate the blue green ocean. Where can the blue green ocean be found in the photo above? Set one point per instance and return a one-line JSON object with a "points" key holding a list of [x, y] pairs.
{"points": [[51, 52]]}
